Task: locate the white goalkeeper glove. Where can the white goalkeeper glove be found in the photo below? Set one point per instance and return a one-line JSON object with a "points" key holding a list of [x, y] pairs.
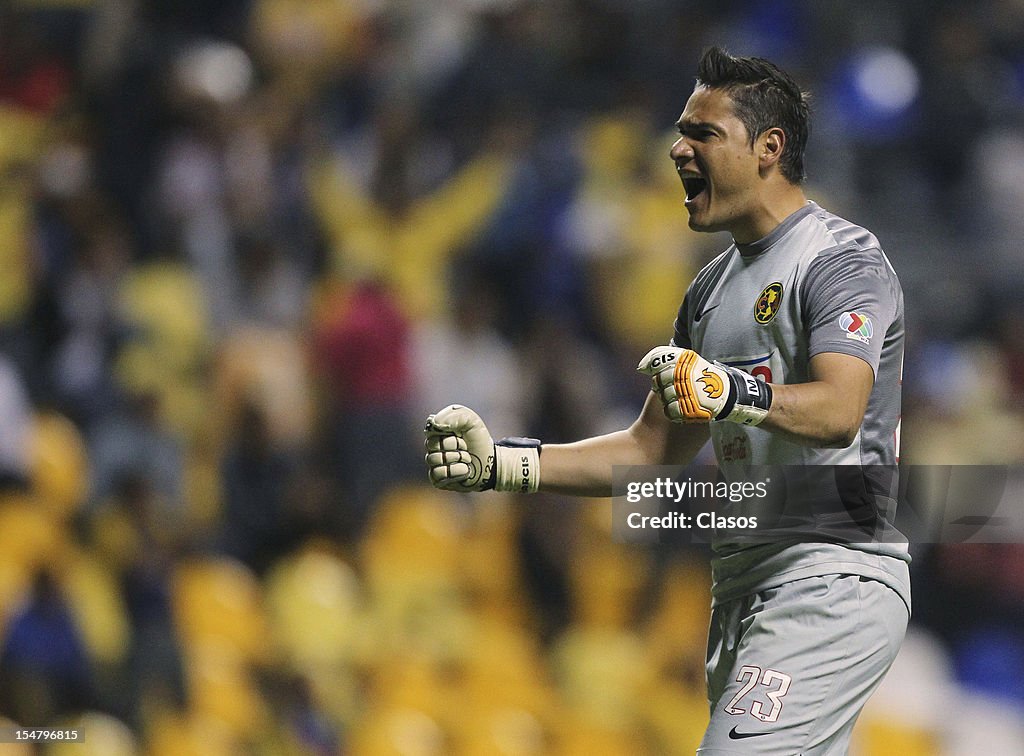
{"points": [[694, 390], [462, 456]]}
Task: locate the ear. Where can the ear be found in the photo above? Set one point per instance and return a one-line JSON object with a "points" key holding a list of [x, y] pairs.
{"points": [[770, 146]]}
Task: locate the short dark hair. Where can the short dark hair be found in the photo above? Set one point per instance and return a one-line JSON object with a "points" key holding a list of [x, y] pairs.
{"points": [[764, 96]]}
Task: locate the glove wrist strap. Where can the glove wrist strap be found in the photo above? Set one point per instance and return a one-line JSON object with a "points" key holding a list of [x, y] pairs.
{"points": [[517, 465], [750, 398]]}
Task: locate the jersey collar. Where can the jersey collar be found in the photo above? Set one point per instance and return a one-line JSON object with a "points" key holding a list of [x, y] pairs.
{"points": [[765, 242]]}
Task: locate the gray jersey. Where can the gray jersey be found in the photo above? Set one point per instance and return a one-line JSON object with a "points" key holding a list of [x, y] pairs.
{"points": [[815, 284]]}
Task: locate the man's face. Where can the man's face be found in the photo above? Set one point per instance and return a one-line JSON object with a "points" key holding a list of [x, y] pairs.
{"points": [[717, 165]]}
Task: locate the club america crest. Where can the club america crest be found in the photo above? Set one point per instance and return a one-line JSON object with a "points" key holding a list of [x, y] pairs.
{"points": [[768, 304]]}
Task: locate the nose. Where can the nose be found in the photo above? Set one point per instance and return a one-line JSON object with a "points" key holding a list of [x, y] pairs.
{"points": [[681, 150]]}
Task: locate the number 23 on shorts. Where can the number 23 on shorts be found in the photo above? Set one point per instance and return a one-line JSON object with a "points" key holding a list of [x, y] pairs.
{"points": [[776, 684]]}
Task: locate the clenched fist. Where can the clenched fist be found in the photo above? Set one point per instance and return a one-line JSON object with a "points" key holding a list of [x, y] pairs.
{"points": [[462, 456], [694, 390]]}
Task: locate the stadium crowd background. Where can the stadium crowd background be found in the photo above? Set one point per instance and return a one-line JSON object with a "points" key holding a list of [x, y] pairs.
{"points": [[248, 245]]}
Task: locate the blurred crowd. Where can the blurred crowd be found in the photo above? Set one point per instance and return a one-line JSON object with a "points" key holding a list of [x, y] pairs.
{"points": [[248, 245]]}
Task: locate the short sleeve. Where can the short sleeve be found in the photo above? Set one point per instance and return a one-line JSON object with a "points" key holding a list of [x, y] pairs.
{"points": [[681, 329], [850, 298]]}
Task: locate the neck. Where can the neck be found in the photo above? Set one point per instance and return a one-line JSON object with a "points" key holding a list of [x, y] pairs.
{"points": [[774, 208]]}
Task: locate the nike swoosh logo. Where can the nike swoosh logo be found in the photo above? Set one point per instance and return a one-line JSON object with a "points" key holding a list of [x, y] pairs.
{"points": [[733, 735], [699, 315]]}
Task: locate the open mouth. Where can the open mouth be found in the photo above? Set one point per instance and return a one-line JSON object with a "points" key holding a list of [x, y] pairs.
{"points": [[694, 187]]}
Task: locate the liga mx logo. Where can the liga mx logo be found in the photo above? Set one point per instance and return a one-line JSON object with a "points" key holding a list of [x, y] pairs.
{"points": [[857, 326]]}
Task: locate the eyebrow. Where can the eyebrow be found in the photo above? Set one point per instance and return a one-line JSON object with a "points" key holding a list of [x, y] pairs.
{"points": [[684, 125]]}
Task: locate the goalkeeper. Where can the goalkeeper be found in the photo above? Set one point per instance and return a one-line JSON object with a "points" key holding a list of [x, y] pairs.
{"points": [[787, 350]]}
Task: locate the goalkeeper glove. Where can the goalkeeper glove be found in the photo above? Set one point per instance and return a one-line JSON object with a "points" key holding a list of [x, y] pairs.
{"points": [[462, 456], [694, 390]]}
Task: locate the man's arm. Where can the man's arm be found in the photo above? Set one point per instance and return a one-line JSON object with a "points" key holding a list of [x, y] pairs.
{"points": [[829, 409], [462, 456], [584, 468]]}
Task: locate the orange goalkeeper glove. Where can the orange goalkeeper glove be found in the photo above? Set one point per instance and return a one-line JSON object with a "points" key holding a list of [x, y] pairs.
{"points": [[694, 390]]}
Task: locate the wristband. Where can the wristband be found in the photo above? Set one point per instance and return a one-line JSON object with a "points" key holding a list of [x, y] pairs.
{"points": [[749, 400], [517, 465]]}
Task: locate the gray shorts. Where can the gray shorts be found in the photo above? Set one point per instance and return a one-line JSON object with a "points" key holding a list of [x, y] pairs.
{"points": [[790, 668]]}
